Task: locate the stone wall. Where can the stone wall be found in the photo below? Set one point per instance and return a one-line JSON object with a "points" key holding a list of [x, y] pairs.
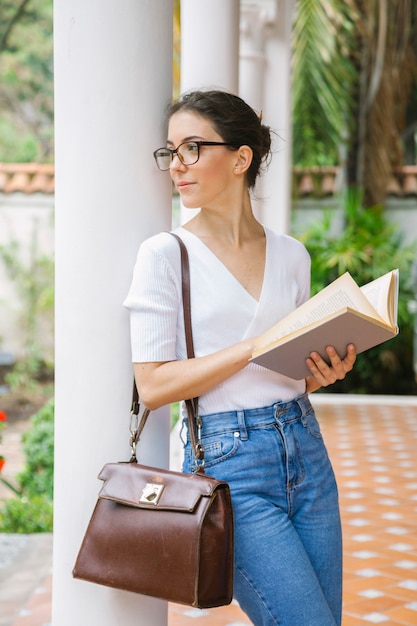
{"points": [[26, 231]]}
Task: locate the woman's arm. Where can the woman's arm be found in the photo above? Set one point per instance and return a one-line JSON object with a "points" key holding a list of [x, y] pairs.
{"points": [[173, 381]]}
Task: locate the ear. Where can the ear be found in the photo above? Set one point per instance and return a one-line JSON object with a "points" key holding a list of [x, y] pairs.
{"points": [[243, 160]]}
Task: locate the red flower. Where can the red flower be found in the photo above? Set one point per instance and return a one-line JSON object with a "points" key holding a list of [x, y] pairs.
{"points": [[2, 462], [3, 416]]}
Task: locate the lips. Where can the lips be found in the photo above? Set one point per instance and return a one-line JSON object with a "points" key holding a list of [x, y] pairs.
{"points": [[183, 184]]}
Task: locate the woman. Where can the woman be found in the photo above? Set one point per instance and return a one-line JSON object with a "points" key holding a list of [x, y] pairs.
{"points": [[259, 430]]}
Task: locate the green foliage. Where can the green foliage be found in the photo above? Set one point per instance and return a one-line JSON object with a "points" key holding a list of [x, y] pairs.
{"points": [[175, 413], [16, 146], [322, 74], [368, 247], [26, 85], [34, 282], [38, 446], [27, 372], [20, 515], [32, 510]]}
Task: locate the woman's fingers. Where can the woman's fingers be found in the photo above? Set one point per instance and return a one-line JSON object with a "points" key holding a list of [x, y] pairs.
{"points": [[326, 374]]}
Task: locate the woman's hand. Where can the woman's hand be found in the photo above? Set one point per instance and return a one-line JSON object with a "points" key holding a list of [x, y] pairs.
{"points": [[323, 374]]}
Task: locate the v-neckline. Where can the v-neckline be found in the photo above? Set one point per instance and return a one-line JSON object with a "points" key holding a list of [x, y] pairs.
{"points": [[226, 269]]}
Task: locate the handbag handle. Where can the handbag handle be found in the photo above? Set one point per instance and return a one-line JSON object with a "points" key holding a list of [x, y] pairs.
{"points": [[194, 421]]}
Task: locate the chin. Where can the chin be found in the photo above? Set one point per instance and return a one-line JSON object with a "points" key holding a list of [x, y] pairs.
{"points": [[189, 205]]}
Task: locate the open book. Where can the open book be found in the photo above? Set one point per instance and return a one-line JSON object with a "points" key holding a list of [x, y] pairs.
{"points": [[339, 314]]}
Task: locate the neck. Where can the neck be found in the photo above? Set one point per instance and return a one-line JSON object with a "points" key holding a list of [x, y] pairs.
{"points": [[230, 225]]}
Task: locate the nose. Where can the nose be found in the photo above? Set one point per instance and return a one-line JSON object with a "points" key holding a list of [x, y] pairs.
{"points": [[176, 162]]}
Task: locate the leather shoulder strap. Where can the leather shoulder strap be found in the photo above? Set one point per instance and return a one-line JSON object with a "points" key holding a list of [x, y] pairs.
{"points": [[191, 404], [186, 296]]}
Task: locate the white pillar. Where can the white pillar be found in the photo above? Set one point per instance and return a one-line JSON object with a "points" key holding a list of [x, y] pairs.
{"points": [[265, 83], [253, 21], [277, 111], [209, 44], [209, 51], [113, 68]]}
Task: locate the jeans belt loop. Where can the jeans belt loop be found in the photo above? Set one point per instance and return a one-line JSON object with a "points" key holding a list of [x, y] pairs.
{"points": [[303, 402], [242, 425]]}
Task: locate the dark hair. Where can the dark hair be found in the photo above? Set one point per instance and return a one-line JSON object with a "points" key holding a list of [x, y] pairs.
{"points": [[234, 120]]}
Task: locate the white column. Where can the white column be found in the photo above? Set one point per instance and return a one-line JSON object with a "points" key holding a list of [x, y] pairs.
{"points": [[277, 113], [113, 68], [265, 83], [209, 44], [253, 21], [209, 51]]}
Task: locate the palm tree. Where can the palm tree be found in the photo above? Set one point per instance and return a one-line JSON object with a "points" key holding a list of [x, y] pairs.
{"points": [[354, 80], [322, 79]]}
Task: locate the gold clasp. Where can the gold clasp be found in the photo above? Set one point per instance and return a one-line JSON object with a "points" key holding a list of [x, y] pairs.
{"points": [[151, 493]]}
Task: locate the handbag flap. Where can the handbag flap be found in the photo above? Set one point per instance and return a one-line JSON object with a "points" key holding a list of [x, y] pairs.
{"points": [[154, 488]]}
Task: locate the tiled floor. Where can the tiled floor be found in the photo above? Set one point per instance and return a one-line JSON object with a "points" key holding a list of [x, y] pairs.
{"points": [[374, 451], [373, 445]]}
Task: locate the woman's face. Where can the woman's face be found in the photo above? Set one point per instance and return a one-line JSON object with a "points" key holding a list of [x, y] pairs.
{"points": [[207, 183]]}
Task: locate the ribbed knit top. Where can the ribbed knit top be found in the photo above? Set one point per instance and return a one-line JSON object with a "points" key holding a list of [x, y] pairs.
{"points": [[222, 311]]}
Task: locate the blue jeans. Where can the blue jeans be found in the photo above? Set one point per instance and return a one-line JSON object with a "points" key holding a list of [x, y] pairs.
{"points": [[288, 543]]}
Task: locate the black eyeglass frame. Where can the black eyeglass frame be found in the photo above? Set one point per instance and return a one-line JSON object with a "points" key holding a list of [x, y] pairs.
{"points": [[195, 143]]}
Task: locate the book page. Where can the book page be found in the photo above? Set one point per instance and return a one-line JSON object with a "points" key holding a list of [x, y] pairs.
{"points": [[382, 293], [341, 293], [336, 301]]}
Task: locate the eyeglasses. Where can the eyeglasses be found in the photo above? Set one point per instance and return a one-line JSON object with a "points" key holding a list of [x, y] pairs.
{"points": [[187, 152]]}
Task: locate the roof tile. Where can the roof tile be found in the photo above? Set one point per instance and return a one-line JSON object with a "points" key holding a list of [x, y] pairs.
{"points": [[393, 186], [27, 178], [328, 184], [19, 181], [307, 182], [3, 181], [410, 181], [39, 182], [324, 181], [306, 185]]}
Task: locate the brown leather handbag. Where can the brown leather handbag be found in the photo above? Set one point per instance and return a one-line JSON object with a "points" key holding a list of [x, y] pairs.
{"points": [[157, 532]]}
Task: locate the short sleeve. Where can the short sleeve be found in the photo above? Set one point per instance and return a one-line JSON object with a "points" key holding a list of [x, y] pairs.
{"points": [[303, 266], [153, 301]]}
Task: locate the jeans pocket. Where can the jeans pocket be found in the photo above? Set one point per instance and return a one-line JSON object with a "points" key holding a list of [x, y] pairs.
{"points": [[311, 423], [217, 448]]}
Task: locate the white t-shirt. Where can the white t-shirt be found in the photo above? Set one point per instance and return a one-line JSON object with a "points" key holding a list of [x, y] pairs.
{"points": [[222, 312]]}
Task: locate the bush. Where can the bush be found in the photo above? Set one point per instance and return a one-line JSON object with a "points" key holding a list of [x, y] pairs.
{"points": [[368, 247], [36, 478], [32, 510], [23, 515]]}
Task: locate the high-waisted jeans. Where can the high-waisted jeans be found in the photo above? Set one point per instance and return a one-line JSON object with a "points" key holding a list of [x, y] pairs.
{"points": [[288, 544]]}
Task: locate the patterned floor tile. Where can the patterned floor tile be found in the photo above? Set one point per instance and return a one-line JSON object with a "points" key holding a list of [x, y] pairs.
{"points": [[373, 447]]}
